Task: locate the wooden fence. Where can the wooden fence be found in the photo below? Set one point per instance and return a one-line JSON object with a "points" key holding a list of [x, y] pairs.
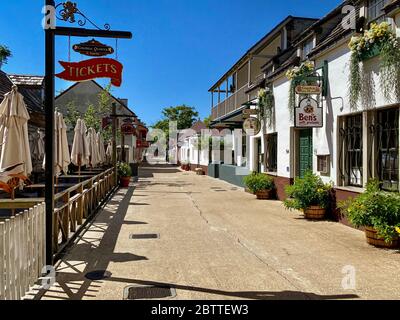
{"points": [[23, 237], [22, 252], [77, 204]]}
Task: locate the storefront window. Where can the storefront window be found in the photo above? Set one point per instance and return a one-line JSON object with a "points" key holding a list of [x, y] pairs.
{"points": [[272, 152], [375, 12], [386, 133], [351, 151]]}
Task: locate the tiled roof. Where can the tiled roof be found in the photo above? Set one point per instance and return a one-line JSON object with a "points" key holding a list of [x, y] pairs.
{"points": [[26, 80], [32, 96], [198, 126]]}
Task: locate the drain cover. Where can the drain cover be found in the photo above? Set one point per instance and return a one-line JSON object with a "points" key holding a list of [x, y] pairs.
{"points": [[143, 292], [98, 275], [144, 236]]}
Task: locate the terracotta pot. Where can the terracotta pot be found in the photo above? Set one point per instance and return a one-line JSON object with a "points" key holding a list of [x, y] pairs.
{"points": [[124, 182], [314, 213], [263, 194], [374, 240]]}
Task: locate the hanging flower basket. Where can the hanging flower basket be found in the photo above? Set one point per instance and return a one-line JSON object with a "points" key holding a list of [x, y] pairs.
{"points": [[379, 40]]}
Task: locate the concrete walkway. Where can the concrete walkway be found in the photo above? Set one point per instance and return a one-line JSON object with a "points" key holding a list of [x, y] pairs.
{"points": [[218, 242]]}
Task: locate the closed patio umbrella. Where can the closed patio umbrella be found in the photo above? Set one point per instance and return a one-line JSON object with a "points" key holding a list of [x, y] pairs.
{"points": [[80, 148], [63, 158], [37, 150], [109, 153], [14, 140], [102, 151], [93, 148]]}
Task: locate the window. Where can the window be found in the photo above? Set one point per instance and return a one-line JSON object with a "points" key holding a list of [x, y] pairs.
{"points": [[351, 151], [272, 153], [307, 47], [375, 12], [386, 134], [323, 164]]}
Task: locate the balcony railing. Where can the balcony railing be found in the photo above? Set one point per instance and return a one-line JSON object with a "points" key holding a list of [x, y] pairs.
{"points": [[232, 103]]}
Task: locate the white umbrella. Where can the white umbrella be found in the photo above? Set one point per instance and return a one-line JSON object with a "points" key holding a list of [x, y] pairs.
{"points": [[80, 148], [93, 148], [109, 153], [14, 140], [38, 149], [63, 158], [102, 151]]}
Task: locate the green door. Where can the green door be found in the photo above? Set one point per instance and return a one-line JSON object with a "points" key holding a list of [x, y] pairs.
{"points": [[305, 151]]}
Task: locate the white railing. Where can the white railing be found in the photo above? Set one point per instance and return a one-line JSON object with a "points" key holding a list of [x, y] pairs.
{"points": [[22, 252]]}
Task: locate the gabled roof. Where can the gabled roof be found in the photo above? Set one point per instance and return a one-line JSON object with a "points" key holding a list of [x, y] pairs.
{"points": [[101, 88], [32, 95], [198, 126], [26, 80]]}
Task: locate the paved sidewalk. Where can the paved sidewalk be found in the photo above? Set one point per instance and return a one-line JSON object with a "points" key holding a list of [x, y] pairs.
{"points": [[218, 242]]}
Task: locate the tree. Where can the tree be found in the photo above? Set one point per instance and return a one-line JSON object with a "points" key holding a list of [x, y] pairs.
{"points": [[5, 53], [207, 121], [185, 117]]}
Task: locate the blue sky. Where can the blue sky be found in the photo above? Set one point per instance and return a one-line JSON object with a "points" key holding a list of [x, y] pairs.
{"points": [[180, 47]]}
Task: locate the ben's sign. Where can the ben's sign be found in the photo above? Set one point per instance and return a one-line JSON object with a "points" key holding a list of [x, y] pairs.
{"points": [[309, 114], [92, 69]]}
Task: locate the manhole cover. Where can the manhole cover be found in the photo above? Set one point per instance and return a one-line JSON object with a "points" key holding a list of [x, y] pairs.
{"points": [[143, 292], [98, 275], [144, 236]]}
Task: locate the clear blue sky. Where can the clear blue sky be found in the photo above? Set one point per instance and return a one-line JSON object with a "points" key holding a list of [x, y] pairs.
{"points": [[180, 47]]}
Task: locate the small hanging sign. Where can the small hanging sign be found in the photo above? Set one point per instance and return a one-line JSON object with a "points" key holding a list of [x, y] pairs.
{"points": [[93, 48], [92, 69], [309, 114], [252, 126], [308, 90], [128, 129]]}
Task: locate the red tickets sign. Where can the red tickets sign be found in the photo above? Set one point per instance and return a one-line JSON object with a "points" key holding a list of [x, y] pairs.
{"points": [[92, 69]]}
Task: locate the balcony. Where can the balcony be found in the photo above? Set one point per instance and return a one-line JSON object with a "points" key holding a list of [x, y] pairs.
{"points": [[232, 103]]}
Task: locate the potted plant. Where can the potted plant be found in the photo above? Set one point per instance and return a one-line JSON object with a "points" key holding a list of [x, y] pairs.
{"points": [[310, 195], [260, 184], [378, 212], [125, 174]]}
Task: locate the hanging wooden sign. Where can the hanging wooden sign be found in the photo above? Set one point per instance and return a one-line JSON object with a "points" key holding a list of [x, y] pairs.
{"points": [[307, 90], [252, 126], [93, 48], [92, 69], [309, 114], [128, 129]]}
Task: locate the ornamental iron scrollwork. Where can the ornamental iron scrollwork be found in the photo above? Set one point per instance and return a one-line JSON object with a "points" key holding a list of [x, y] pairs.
{"points": [[69, 12]]}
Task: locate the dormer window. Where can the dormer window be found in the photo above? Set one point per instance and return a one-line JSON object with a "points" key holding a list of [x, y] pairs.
{"points": [[307, 48], [375, 12]]}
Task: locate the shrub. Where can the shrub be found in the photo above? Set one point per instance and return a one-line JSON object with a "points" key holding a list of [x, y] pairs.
{"points": [[306, 192], [124, 169], [375, 208], [258, 182]]}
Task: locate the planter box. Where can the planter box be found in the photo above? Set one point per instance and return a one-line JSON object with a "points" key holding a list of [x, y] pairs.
{"points": [[374, 240], [314, 213], [263, 195], [374, 52], [124, 182]]}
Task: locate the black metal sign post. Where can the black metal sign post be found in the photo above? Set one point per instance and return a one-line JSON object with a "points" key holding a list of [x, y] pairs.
{"points": [[51, 31]]}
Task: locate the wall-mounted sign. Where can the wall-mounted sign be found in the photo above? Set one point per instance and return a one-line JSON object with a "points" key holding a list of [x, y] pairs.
{"points": [[309, 114], [249, 112], [92, 69], [128, 129], [93, 48], [252, 126], [308, 90]]}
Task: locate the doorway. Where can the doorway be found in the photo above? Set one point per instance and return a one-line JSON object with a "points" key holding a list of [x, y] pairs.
{"points": [[305, 161]]}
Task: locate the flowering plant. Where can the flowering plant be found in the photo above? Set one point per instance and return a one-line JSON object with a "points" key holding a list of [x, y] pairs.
{"points": [[305, 68], [375, 208], [380, 38], [266, 105], [378, 34], [308, 191]]}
